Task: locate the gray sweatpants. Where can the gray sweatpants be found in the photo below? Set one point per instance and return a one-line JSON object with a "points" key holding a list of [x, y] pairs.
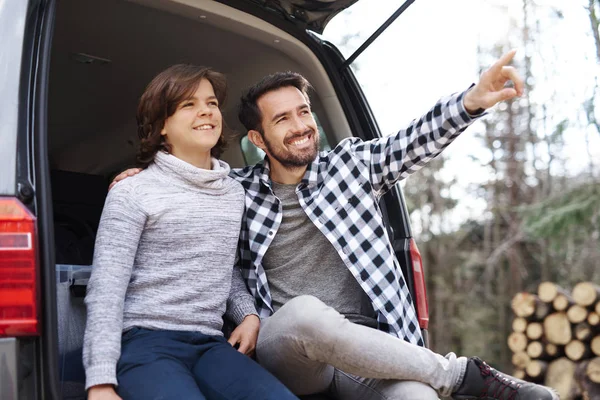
{"points": [[313, 349]]}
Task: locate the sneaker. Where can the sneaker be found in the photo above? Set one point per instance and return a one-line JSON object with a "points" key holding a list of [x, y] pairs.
{"points": [[484, 382]]}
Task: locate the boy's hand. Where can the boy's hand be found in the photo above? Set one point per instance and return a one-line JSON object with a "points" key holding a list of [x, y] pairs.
{"points": [[123, 175], [246, 334], [490, 88], [103, 392]]}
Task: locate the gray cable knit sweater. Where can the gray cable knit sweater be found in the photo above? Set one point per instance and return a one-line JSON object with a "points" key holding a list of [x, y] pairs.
{"points": [[164, 259]]}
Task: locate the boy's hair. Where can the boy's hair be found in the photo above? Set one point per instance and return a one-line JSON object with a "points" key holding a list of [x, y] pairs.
{"points": [[160, 101], [249, 114]]}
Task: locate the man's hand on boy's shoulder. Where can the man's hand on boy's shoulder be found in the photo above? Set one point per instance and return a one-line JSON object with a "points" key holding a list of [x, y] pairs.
{"points": [[123, 175], [491, 89], [103, 392], [246, 335]]}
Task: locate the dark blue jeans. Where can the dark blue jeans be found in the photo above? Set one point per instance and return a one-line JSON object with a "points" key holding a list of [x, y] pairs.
{"points": [[190, 366]]}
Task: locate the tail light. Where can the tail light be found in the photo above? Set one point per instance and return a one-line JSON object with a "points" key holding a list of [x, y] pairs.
{"points": [[18, 270], [419, 281]]}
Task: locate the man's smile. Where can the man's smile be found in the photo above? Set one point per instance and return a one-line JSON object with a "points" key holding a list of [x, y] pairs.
{"points": [[300, 141]]}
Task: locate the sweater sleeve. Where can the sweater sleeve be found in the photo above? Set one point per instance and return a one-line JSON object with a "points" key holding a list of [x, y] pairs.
{"points": [[240, 303], [117, 241]]}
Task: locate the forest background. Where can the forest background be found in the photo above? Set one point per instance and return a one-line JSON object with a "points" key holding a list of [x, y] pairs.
{"points": [[516, 199]]}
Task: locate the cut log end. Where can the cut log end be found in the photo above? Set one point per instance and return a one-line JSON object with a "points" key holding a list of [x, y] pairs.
{"points": [[535, 330], [519, 374], [577, 350], [552, 349], [520, 360], [577, 314], [586, 293], [558, 328], [593, 370], [535, 349], [560, 376], [547, 291], [536, 369], [593, 318], [523, 304], [519, 325], [517, 342], [595, 345], [562, 302], [589, 389]]}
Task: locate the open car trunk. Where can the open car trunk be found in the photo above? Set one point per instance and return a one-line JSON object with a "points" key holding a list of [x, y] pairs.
{"points": [[104, 53]]}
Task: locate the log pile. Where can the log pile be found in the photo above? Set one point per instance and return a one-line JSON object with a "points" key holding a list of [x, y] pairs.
{"points": [[555, 339]]}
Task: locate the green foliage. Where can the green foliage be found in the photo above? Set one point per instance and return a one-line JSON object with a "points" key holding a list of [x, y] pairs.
{"points": [[554, 217]]}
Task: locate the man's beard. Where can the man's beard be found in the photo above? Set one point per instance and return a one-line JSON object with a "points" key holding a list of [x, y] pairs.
{"points": [[291, 160]]}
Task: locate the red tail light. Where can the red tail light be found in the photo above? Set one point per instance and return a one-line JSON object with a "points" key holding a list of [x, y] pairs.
{"points": [[419, 281], [18, 270]]}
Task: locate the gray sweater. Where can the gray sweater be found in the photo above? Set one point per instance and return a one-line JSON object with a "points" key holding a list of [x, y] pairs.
{"points": [[164, 259]]}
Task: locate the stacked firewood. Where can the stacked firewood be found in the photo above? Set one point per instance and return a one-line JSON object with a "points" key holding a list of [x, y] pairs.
{"points": [[556, 339]]}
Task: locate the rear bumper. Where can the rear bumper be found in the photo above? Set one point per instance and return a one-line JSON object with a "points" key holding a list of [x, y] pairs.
{"points": [[8, 368]]}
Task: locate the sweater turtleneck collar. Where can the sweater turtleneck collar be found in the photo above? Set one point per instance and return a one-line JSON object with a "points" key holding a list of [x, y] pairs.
{"points": [[215, 178]]}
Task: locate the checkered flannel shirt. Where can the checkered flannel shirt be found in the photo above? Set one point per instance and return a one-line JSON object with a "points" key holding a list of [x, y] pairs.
{"points": [[340, 193]]}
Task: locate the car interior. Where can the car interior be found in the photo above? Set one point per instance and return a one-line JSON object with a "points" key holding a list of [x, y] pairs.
{"points": [[104, 53]]}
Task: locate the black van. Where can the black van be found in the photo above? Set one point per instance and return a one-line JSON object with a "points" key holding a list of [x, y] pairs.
{"points": [[71, 73]]}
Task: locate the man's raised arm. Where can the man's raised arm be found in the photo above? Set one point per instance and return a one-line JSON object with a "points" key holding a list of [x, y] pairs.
{"points": [[395, 157]]}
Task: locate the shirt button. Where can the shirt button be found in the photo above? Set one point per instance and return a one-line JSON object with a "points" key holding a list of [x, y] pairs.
{"points": [[270, 233]]}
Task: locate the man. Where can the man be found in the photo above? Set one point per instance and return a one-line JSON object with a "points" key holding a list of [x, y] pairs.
{"points": [[337, 316]]}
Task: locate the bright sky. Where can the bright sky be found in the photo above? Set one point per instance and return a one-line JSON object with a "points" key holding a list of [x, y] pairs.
{"points": [[431, 51]]}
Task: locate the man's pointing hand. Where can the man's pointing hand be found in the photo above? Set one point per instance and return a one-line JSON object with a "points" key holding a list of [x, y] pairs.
{"points": [[490, 88]]}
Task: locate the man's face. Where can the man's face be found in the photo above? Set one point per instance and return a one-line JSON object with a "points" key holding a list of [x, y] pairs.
{"points": [[196, 125], [290, 134]]}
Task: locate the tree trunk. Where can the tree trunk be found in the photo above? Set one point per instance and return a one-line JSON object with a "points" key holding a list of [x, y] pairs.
{"points": [[594, 23]]}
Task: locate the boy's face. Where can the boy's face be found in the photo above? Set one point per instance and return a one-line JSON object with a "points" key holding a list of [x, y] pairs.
{"points": [[196, 125], [290, 132]]}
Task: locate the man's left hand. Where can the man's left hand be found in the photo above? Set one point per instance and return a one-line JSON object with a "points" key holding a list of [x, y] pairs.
{"points": [[246, 335], [490, 88]]}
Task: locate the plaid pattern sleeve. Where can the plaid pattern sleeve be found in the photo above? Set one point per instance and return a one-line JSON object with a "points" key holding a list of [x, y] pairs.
{"points": [[394, 157]]}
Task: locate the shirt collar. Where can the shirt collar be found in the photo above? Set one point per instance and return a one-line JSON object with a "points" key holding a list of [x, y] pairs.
{"points": [[310, 176], [264, 171]]}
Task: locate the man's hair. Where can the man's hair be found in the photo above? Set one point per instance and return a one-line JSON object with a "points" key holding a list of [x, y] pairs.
{"points": [[249, 114], [160, 101]]}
